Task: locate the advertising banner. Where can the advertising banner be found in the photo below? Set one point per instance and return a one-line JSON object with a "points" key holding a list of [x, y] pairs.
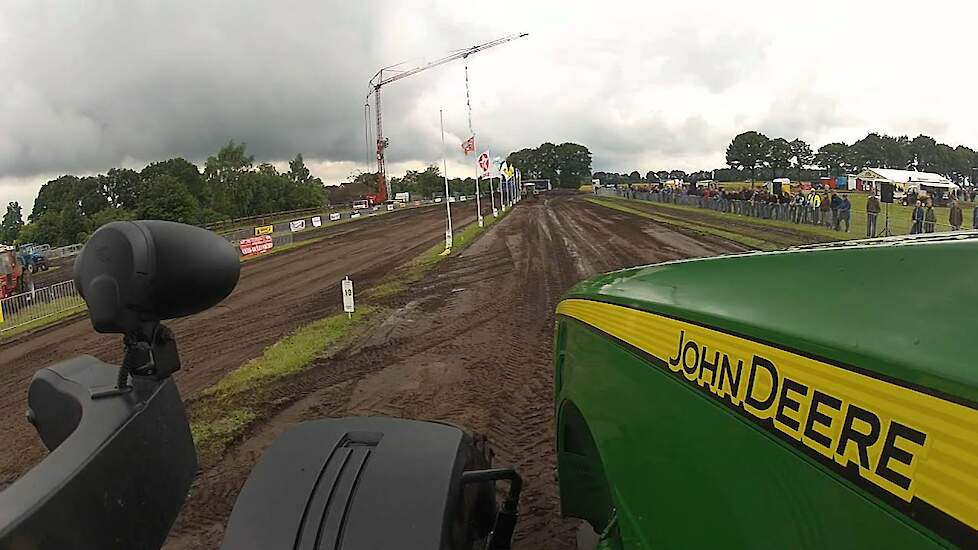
{"points": [[255, 245]]}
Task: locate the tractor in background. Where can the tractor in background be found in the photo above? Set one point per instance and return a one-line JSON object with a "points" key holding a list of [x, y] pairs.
{"points": [[14, 277], [31, 256]]}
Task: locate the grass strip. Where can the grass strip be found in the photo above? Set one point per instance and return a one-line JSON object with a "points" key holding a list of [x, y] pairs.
{"points": [[225, 410], [730, 236]]}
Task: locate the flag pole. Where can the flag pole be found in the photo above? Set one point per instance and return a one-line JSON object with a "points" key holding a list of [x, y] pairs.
{"points": [[444, 164], [468, 103]]}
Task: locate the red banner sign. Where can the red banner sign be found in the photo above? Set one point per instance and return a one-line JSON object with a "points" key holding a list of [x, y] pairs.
{"points": [[255, 245]]}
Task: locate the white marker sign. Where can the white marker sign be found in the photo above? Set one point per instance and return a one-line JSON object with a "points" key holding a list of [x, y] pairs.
{"points": [[335, 216], [317, 221], [390, 207], [347, 295], [297, 225]]}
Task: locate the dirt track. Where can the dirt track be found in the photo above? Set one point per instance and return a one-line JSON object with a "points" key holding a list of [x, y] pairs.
{"points": [[274, 296], [471, 345]]}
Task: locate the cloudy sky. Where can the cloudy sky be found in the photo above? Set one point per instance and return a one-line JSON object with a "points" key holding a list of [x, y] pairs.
{"points": [[645, 85]]}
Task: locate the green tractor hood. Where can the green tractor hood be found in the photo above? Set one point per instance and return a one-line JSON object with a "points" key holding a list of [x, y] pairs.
{"points": [[861, 356], [903, 308]]}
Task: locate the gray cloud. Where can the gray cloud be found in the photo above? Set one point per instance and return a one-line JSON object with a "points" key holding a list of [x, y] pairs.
{"points": [[95, 87], [88, 86]]}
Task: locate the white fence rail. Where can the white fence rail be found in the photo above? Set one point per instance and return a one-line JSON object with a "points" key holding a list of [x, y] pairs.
{"points": [[62, 252], [21, 309]]}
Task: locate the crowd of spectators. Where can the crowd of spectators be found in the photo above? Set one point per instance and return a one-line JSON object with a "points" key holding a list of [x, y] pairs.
{"points": [[816, 206]]}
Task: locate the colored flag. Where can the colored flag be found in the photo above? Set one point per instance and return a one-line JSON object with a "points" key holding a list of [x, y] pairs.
{"points": [[468, 146]]}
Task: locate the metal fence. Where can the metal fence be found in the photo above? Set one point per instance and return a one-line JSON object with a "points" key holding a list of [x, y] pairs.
{"points": [[21, 309], [62, 252], [794, 213]]}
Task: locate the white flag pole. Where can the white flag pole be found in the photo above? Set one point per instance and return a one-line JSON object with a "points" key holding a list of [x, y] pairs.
{"points": [[492, 197], [448, 205], [478, 200], [468, 102]]}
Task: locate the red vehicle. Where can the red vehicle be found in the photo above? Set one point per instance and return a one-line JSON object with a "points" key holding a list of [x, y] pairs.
{"points": [[13, 279]]}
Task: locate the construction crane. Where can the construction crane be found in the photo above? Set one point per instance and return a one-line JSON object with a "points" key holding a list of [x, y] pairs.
{"points": [[379, 80]]}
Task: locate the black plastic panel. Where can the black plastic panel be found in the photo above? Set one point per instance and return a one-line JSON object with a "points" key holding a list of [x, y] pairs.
{"points": [[355, 483]]}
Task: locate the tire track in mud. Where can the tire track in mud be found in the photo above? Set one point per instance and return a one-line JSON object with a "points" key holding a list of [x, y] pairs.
{"points": [[470, 344]]}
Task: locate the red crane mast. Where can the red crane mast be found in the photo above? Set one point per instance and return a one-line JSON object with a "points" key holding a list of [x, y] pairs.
{"points": [[379, 80]]}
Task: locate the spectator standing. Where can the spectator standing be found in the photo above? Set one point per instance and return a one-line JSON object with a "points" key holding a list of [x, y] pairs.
{"points": [[816, 202], [930, 217], [872, 211], [834, 204], [956, 216], [845, 212], [825, 212], [917, 219]]}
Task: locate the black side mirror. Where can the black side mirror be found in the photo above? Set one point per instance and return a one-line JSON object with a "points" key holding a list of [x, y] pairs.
{"points": [[134, 273]]}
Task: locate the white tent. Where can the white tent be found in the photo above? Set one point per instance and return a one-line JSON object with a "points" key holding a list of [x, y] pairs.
{"points": [[903, 179]]}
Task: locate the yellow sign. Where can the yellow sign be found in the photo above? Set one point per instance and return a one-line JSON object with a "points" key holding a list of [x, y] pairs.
{"points": [[909, 443], [263, 230]]}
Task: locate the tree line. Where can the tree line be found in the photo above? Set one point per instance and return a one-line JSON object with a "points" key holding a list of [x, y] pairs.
{"points": [[67, 209], [753, 151], [565, 165], [755, 155]]}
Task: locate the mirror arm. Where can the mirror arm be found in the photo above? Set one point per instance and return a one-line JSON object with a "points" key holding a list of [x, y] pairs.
{"points": [[153, 357]]}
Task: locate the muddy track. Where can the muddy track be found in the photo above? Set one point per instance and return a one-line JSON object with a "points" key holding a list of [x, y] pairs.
{"points": [[781, 236], [469, 344], [273, 297]]}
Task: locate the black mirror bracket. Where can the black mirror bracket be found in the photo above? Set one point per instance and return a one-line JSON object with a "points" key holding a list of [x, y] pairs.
{"points": [[154, 356]]}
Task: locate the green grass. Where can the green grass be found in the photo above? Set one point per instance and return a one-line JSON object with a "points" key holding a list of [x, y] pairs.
{"points": [[814, 230], [224, 411], [731, 236], [218, 432], [706, 221], [899, 217]]}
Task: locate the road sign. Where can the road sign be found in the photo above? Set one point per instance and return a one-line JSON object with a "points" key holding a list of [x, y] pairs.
{"points": [[485, 165], [347, 295]]}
